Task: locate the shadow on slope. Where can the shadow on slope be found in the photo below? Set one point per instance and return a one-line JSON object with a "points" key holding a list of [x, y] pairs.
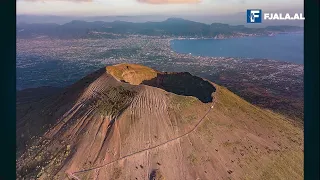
{"points": [[183, 83], [39, 108]]}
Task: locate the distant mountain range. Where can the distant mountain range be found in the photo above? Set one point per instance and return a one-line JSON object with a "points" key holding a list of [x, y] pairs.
{"points": [[236, 18], [172, 27]]}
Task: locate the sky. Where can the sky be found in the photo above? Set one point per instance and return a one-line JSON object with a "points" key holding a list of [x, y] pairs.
{"points": [[149, 7]]}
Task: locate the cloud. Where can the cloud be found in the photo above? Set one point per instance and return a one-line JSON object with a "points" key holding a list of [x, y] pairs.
{"points": [[169, 1]]}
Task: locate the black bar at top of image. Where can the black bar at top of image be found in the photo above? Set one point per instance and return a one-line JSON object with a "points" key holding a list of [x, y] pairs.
{"points": [[311, 89]]}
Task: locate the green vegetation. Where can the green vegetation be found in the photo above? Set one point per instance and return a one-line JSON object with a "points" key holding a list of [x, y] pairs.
{"points": [[287, 165], [182, 101], [192, 158], [233, 105], [179, 109], [207, 129], [114, 100]]}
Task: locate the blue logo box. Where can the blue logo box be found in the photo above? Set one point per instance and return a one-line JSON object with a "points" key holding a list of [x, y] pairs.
{"points": [[254, 16]]}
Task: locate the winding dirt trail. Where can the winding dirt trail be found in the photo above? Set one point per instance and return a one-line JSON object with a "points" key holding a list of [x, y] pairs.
{"points": [[72, 175]]}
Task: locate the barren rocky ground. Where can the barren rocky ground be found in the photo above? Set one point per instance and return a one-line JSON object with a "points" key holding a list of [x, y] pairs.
{"points": [[132, 122]]}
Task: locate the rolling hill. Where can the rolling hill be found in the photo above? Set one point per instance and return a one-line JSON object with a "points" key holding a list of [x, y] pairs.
{"points": [[172, 27]]}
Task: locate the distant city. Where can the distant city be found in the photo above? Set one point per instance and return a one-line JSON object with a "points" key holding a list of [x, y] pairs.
{"points": [[46, 61]]}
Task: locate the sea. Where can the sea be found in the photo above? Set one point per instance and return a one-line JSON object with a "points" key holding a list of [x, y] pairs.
{"points": [[281, 47], [37, 70]]}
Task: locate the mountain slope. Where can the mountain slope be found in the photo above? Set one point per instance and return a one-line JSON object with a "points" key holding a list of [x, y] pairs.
{"points": [[117, 129]]}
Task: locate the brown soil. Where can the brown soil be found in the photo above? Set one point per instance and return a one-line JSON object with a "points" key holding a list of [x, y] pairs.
{"points": [[108, 129]]}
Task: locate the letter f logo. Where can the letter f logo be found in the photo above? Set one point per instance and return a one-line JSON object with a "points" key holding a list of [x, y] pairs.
{"points": [[254, 16]]}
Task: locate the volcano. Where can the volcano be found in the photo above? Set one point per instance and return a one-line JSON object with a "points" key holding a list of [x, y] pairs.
{"points": [[129, 121]]}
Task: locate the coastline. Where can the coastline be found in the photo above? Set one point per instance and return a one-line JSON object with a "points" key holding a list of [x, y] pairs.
{"points": [[190, 55], [239, 36], [152, 51]]}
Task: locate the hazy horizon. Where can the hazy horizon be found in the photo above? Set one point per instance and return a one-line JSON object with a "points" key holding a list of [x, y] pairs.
{"points": [[149, 7], [232, 19]]}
